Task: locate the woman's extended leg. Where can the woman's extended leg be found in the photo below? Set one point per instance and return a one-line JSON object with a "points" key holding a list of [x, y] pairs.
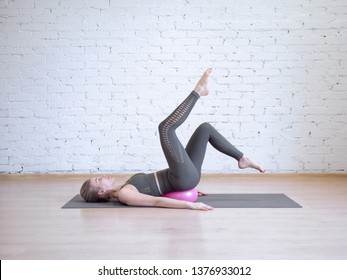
{"points": [[182, 172]]}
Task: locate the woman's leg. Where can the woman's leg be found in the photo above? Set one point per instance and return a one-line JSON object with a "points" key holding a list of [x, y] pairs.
{"points": [[185, 164], [182, 172], [206, 133]]}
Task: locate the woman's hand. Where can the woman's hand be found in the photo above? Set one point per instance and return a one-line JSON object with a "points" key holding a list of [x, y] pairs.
{"points": [[199, 206]]}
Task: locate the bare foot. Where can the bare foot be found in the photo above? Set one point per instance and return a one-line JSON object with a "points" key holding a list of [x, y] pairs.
{"points": [[202, 86], [245, 162]]}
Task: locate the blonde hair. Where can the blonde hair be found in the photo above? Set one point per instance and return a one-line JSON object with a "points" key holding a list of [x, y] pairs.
{"points": [[90, 194]]}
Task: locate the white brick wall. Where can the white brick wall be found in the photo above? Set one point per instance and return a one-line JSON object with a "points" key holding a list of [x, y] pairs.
{"points": [[85, 83]]}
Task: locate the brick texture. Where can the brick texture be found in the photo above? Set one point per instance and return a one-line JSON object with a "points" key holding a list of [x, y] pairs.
{"points": [[84, 84]]}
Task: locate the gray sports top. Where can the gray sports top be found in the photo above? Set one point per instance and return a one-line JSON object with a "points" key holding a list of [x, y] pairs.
{"points": [[146, 183]]}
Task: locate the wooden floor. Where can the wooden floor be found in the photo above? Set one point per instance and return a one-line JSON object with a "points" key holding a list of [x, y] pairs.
{"points": [[33, 225]]}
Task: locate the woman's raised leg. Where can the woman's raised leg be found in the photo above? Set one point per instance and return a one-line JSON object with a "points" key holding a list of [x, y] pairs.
{"points": [[183, 173]]}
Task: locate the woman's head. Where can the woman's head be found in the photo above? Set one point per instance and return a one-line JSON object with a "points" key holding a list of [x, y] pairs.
{"points": [[98, 189]]}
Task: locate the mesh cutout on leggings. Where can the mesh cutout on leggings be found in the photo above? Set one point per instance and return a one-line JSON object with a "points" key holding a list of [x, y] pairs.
{"points": [[171, 123]]}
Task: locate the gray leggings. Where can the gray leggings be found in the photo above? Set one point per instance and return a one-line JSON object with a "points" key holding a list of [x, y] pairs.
{"points": [[185, 163]]}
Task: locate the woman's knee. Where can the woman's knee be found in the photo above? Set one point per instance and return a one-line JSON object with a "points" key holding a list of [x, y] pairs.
{"points": [[205, 127], [163, 128]]}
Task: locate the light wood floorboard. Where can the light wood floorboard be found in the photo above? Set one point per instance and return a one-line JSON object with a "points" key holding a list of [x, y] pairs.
{"points": [[33, 225]]}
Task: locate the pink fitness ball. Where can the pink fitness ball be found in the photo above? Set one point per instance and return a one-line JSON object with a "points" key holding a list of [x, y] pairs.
{"points": [[189, 195]]}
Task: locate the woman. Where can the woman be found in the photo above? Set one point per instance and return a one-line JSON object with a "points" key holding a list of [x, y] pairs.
{"points": [[184, 170]]}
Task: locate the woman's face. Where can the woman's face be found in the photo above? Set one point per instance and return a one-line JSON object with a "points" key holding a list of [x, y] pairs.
{"points": [[103, 184]]}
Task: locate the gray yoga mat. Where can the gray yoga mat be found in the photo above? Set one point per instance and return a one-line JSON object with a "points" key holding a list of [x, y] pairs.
{"points": [[240, 200]]}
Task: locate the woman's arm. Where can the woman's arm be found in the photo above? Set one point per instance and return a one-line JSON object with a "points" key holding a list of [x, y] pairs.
{"points": [[135, 198]]}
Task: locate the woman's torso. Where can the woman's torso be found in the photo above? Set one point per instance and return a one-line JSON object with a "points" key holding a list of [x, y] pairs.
{"points": [[155, 184]]}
